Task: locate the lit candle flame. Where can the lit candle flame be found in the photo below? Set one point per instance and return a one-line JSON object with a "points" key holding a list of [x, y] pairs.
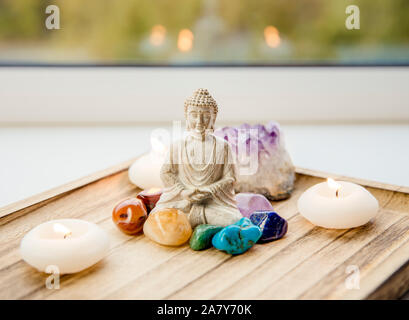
{"points": [[158, 35], [272, 36], [334, 185], [60, 228], [185, 40]]}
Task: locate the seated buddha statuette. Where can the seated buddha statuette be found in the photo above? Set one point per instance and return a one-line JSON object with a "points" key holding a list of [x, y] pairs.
{"points": [[199, 170]]}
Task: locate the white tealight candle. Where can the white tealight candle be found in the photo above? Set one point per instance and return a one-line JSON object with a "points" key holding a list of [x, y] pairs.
{"points": [[70, 244], [337, 205], [145, 171]]}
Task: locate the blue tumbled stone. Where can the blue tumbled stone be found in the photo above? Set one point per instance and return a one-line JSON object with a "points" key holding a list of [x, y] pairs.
{"points": [[272, 226], [237, 238]]}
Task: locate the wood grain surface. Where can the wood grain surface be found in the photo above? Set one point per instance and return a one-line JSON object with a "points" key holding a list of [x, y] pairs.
{"points": [[308, 263]]}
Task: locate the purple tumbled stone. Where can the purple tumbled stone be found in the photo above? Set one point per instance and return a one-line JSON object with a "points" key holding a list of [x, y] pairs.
{"points": [[251, 202]]}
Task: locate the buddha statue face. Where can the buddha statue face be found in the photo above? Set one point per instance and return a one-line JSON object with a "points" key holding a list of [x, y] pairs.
{"points": [[200, 119], [200, 112]]}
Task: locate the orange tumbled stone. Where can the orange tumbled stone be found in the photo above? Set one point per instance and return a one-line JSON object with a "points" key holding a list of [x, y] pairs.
{"points": [[169, 227], [129, 215]]}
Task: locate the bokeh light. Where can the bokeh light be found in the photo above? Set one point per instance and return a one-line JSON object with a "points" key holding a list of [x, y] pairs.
{"points": [[185, 40], [272, 36], [158, 35]]}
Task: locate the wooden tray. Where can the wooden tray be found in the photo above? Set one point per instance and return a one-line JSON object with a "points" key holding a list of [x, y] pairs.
{"points": [[308, 263]]}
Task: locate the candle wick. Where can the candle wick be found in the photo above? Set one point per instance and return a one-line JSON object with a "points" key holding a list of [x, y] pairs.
{"points": [[336, 193]]}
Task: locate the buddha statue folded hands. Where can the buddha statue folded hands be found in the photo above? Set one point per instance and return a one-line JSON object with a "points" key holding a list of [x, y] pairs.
{"points": [[199, 171]]}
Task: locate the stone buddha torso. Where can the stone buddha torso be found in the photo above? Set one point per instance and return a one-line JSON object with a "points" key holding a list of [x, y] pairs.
{"points": [[201, 159]]}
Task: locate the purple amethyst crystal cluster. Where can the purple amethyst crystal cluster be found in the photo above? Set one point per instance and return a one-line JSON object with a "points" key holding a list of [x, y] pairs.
{"points": [[265, 138], [263, 164]]}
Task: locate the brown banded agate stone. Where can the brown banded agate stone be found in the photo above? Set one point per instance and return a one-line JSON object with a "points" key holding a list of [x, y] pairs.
{"points": [[130, 215]]}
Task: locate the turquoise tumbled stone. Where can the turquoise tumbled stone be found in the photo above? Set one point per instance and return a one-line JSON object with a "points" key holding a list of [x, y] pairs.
{"points": [[202, 236], [237, 238]]}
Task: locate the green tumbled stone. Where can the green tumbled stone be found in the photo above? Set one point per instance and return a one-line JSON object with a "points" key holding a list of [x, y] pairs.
{"points": [[202, 236]]}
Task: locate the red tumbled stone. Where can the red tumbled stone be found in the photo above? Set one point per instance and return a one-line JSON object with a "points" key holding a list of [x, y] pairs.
{"points": [[150, 197]]}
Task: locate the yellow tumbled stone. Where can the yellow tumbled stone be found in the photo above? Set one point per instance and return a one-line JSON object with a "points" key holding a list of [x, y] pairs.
{"points": [[169, 227]]}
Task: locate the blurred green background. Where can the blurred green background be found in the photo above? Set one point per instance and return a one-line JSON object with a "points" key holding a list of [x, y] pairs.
{"points": [[205, 32]]}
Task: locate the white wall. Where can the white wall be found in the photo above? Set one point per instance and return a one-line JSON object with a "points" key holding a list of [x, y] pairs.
{"points": [[50, 95]]}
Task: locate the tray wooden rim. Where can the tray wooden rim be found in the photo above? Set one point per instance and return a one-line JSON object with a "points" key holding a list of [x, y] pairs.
{"points": [[76, 184]]}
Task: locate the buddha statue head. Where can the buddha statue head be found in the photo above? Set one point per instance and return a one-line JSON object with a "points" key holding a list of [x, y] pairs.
{"points": [[200, 113]]}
